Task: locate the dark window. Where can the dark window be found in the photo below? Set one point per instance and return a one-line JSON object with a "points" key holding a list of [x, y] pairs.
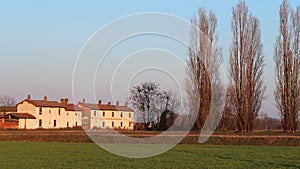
{"points": [[85, 122], [129, 124], [68, 124], [112, 124], [113, 114], [59, 112], [121, 114], [40, 123], [121, 124], [129, 115], [95, 113], [49, 111], [54, 123], [103, 124], [103, 114], [41, 110]]}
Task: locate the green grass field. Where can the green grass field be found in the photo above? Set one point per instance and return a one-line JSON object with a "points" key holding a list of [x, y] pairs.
{"points": [[88, 155]]}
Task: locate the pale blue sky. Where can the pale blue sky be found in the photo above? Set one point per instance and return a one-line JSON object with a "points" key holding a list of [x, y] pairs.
{"points": [[40, 40]]}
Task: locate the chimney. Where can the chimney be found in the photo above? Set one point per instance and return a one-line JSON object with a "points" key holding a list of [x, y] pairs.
{"points": [[117, 103], [45, 98], [100, 102], [108, 103], [66, 101], [29, 98], [62, 100], [126, 104]]}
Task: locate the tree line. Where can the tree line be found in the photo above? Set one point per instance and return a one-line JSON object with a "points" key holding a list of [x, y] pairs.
{"points": [[245, 92]]}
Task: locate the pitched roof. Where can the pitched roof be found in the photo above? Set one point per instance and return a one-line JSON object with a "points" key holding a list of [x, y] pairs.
{"points": [[106, 107], [45, 103], [115, 107], [42, 103], [73, 107], [21, 115], [8, 108], [90, 106]]}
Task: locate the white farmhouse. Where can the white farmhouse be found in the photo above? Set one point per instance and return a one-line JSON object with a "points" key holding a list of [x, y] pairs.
{"points": [[107, 116], [50, 114]]}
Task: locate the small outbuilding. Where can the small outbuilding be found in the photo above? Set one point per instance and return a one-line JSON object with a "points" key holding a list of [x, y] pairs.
{"points": [[22, 118]]}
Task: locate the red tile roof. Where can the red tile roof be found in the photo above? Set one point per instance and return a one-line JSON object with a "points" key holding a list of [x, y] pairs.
{"points": [[8, 108], [44, 103], [106, 107], [114, 107], [90, 106], [21, 115], [73, 107]]}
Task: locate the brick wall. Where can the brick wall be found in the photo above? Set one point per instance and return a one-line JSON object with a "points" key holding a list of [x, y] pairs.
{"points": [[8, 124]]}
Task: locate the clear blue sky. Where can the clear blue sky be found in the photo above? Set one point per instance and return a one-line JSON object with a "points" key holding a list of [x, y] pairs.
{"points": [[40, 40]]}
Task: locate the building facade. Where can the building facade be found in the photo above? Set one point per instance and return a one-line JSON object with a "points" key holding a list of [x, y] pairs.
{"points": [[11, 119], [107, 116], [50, 114]]}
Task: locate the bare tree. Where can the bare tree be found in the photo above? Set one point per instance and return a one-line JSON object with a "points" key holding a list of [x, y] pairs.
{"points": [[287, 59], [203, 66], [150, 101], [246, 66], [228, 118], [6, 100], [264, 122]]}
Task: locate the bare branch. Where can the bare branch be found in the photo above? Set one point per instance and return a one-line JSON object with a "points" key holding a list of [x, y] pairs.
{"points": [[246, 67]]}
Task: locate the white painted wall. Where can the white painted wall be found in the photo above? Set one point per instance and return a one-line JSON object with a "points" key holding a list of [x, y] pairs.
{"points": [[100, 121], [30, 123], [63, 119], [26, 107]]}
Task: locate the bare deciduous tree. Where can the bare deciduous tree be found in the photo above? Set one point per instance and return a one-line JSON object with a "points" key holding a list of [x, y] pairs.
{"points": [[150, 101], [287, 59], [264, 122], [203, 66], [246, 66], [6, 100], [228, 119]]}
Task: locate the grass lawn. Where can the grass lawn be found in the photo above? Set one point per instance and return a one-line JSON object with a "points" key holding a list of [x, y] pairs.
{"points": [[88, 155]]}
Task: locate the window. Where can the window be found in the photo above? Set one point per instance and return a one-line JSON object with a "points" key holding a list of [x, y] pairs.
{"points": [[59, 112], [67, 113], [54, 123], [103, 114], [94, 113], [40, 123], [75, 114], [112, 124], [103, 124], [113, 114], [85, 122], [67, 124], [129, 124], [49, 111], [121, 124], [41, 110], [121, 114], [129, 115]]}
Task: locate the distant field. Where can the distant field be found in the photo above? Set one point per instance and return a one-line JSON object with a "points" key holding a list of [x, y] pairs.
{"points": [[88, 155], [266, 138]]}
